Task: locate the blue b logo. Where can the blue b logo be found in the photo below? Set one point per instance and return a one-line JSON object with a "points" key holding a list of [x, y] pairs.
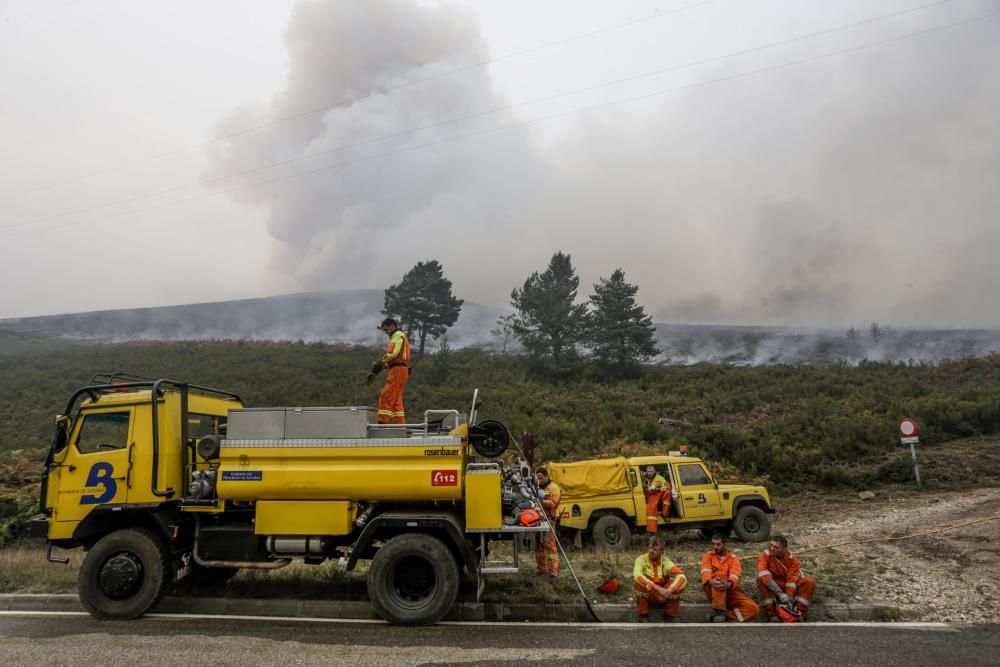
{"points": [[100, 475]]}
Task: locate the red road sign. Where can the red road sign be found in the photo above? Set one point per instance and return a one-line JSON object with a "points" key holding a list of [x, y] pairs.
{"points": [[908, 428]]}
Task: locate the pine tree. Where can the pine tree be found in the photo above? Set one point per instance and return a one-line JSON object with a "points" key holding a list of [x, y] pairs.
{"points": [[422, 303], [621, 334], [548, 323], [503, 332]]}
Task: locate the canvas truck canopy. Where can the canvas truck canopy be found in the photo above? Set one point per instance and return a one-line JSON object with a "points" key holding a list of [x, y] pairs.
{"points": [[591, 478]]}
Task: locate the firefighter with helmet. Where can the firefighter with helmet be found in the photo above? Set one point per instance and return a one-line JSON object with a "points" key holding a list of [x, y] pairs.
{"points": [[781, 582]]}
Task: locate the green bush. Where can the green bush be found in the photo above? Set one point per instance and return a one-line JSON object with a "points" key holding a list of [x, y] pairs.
{"points": [[825, 424]]}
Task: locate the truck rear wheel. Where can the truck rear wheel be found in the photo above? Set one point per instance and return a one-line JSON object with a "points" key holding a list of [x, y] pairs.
{"points": [[413, 580], [611, 532], [752, 524], [124, 574]]}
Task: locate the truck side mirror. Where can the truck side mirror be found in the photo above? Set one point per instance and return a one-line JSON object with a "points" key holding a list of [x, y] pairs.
{"points": [[62, 434]]}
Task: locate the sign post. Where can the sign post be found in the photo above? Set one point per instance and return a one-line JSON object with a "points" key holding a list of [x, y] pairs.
{"points": [[909, 434]]}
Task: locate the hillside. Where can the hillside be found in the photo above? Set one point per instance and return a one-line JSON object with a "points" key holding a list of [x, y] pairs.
{"points": [[812, 423], [793, 427], [350, 316]]}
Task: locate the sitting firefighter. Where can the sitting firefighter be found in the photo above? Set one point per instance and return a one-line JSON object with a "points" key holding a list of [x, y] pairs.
{"points": [[780, 581], [657, 582], [720, 579], [657, 490]]}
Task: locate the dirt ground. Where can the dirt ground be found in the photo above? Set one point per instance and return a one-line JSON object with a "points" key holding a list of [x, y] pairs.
{"points": [[947, 576]]}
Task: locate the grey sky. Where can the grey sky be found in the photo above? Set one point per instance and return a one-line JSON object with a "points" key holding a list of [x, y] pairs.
{"points": [[856, 187]]}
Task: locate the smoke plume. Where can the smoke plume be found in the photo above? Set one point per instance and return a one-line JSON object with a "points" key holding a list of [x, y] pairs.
{"points": [[856, 188]]}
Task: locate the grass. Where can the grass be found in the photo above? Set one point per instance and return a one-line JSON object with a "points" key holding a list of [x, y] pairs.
{"points": [[23, 569], [327, 581]]}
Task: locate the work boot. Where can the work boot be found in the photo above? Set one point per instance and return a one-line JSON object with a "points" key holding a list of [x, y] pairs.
{"points": [[717, 616], [671, 619], [644, 619]]}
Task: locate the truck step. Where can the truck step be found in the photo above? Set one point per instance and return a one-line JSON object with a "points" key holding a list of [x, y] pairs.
{"points": [[499, 570]]}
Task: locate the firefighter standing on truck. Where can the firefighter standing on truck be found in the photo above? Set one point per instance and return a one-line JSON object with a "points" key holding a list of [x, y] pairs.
{"points": [[397, 360], [657, 582], [546, 552], [779, 577], [657, 497]]}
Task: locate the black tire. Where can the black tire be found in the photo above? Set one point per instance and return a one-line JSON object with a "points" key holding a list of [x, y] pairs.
{"points": [[611, 532], [124, 574], [413, 580], [752, 524]]}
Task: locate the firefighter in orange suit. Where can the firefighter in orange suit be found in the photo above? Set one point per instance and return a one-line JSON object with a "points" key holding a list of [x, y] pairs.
{"points": [[657, 490], [657, 582], [546, 551], [720, 578], [780, 579], [397, 360]]}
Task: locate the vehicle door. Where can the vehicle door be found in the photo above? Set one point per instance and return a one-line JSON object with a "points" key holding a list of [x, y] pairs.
{"points": [[698, 492], [93, 469], [638, 495]]}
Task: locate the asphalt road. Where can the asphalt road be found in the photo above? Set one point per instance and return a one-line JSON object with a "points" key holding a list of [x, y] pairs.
{"points": [[58, 639]]}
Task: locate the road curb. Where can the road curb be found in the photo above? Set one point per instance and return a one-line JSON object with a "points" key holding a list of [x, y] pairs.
{"points": [[462, 611]]}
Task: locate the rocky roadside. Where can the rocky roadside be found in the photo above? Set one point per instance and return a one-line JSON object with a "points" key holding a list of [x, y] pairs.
{"points": [[946, 576]]}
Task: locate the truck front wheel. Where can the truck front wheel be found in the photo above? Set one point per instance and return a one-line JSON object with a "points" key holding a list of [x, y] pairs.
{"points": [[413, 580], [752, 524], [611, 532], [124, 574]]}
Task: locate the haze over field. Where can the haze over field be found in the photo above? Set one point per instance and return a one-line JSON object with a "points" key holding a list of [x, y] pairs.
{"points": [[350, 317], [800, 164]]}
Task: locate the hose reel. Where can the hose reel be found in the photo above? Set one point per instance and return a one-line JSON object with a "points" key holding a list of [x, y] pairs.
{"points": [[489, 439]]}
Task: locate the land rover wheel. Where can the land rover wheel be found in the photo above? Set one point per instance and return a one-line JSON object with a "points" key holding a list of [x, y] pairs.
{"points": [[124, 574], [413, 580], [752, 524], [611, 532]]}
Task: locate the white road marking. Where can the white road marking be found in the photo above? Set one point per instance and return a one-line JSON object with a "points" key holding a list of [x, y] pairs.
{"points": [[903, 625]]}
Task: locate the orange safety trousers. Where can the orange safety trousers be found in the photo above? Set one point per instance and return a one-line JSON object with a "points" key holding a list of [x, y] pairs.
{"points": [[803, 595], [390, 401], [739, 608], [671, 606], [547, 556], [653, 501]]}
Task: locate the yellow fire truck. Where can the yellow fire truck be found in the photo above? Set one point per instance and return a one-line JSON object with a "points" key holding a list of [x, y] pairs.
{"points": [[157, 479]]}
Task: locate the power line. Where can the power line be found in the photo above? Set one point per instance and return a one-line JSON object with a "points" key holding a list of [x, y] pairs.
{"points": [[347, 101], [478, 114], [527, 122]]}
